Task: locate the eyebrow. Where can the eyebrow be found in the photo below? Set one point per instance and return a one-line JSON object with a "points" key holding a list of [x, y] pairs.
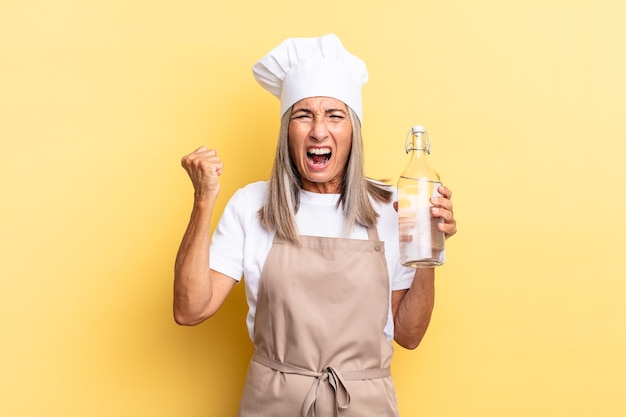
{"points": [[307, 110]]}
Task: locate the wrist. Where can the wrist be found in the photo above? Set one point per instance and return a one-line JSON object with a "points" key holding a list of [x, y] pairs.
{"points": [[203, 202]]}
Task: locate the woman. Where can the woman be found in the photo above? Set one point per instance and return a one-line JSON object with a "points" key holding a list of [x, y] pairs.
{"points": [[318, 245]]}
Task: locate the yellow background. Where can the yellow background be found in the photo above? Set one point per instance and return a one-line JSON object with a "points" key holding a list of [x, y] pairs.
{"points": [[524, 102]]}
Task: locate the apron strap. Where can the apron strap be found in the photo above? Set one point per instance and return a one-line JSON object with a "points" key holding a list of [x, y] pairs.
{"points": [[372, 233], [315, 398]]}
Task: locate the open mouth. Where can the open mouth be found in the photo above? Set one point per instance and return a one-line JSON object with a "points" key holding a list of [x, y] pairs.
{"points": [[319, 156]]}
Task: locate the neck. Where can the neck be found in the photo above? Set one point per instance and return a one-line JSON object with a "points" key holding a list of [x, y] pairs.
{"points": [[332, 187]]}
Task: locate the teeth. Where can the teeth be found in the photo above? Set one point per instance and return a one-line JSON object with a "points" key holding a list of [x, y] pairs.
{"points": [[319, 151]]}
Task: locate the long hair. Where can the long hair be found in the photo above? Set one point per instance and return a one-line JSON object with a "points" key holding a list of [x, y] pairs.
{"points": [[283, 196]]}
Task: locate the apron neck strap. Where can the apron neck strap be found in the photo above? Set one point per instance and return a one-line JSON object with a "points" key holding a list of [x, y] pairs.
{"points": [[372, 233]]}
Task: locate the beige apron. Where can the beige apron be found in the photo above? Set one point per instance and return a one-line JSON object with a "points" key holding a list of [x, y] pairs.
{"points": [[318, 334]]}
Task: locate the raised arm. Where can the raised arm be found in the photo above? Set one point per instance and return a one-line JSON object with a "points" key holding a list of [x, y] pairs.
{"points": [[413, 308], [198, 290]]}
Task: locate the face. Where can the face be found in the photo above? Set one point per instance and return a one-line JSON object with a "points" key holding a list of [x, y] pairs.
{"points": [[320, 139]]}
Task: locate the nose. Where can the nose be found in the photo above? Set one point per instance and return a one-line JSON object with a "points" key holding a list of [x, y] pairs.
{"points": [[319, 130]]}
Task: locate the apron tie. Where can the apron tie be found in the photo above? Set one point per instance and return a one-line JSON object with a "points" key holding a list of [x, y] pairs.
{"points": [[316, 397]]}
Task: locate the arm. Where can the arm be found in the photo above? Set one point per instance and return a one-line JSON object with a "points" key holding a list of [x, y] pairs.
{"points": [[413, 308], [198, 290]]}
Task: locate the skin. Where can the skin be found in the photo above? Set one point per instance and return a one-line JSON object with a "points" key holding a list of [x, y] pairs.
{"points": [[316, 123], [320, 123], [199, 291]]}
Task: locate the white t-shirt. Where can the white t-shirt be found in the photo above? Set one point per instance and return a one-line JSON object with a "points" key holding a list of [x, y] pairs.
{"points": [[241, 244]]}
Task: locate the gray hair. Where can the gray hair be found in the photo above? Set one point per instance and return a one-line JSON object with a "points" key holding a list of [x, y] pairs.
{"points": [[283, 196]]}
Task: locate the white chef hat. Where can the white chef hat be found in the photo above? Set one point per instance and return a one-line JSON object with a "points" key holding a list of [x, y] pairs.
{"points": [[310, 67]]}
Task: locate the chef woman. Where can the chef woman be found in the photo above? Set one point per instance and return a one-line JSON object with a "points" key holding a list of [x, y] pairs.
{"points": [[317, 244]]}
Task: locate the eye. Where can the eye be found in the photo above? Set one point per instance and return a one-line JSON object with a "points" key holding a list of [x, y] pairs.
{"points": [[301, 116], [336, 117]]}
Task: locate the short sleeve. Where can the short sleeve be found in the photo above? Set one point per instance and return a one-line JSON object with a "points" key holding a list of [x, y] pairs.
{"points": [[227, 244], [403, 277]]}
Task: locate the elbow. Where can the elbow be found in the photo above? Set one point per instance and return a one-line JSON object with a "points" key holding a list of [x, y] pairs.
{"points": [[184, 318], [408, 343], [410, 340], [409, 346]]}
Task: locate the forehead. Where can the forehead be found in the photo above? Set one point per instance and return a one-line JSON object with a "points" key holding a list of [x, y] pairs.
{"points": [[320, 104]]}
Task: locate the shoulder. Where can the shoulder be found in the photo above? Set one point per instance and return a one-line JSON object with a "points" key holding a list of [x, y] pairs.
{"points": [[243, 205], [250, 196], [254, 190]]}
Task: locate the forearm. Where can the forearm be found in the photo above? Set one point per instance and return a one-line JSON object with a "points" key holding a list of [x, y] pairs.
{"points": [[413, 309], [192, 274]]}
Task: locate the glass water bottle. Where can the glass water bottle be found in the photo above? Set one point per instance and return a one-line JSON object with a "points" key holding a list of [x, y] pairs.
{"points": [[421, 242]]}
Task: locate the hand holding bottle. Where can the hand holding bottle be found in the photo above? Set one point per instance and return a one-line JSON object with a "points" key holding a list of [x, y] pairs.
{"points": [[442, 208]]}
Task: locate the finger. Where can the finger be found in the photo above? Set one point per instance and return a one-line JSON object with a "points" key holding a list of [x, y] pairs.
{"points": [[217, 167], [445, 192], [449, 229], [442, 202], [198, 155], [185, 160], [440, 212], [201, 151]]}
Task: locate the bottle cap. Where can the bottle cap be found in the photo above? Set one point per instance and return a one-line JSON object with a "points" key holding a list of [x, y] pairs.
{"points": [[418, 129]]}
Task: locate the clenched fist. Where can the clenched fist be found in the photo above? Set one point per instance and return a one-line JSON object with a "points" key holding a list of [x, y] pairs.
{"points": [[204, 167]]}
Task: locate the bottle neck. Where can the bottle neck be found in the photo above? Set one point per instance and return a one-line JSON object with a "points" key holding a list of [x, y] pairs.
{"points": [[419, 154], [418, 144]]}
